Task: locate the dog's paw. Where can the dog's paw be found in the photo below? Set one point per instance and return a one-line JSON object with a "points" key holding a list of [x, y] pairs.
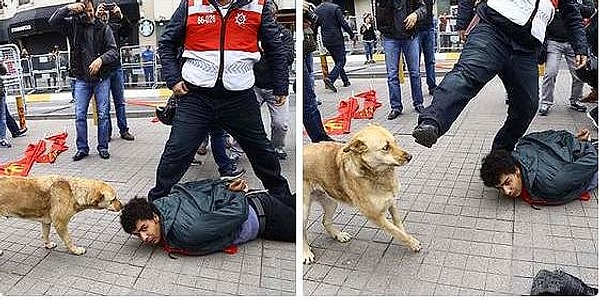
{"points": [[50, 245], [77, 250], [343, 237], [414, 245], [308, 256]]}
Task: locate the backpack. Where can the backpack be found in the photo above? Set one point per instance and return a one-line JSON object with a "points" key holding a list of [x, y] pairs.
{"points": [[559, 283]]}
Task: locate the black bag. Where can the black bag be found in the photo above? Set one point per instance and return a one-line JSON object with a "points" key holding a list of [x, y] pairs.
{"points": [[589, 72], [165, 114], [559, 283], [309, 42]]}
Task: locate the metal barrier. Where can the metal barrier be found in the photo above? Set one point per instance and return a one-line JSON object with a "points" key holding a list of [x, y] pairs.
{"points": [[45, 72], [141, 66], [13, 80]]}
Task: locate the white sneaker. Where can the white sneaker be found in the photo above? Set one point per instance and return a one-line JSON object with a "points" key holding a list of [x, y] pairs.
{"points": [[4, 143]]}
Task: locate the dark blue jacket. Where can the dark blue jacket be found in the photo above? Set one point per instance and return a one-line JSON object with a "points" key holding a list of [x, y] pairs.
{"points": [[331, 20], [201, 217], [171, 44]]}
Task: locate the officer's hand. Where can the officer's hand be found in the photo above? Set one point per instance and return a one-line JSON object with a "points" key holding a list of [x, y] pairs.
{"points": [[580, 61], [280, 100], [95, 66], [238, 185], [410, 21], [76, 7], [462, 36], [583, 134], [180, 89]]}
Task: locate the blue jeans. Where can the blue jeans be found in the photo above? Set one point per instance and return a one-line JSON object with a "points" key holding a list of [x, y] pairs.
{"points": [[338, 53], [117, 88], [393, 48], [488, 52], [11, 124], [427, 47], [3, 111], [83, 95], [219, 153], [369, 49], [149, 75], [311, 116]]}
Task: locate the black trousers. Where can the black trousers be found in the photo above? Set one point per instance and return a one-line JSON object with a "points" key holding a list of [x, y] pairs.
{"points": [[198, 112], [277, 216]]}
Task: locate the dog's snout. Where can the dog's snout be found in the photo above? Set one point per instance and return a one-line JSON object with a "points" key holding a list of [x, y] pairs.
{"points": [[408, 157], [115, 205]]}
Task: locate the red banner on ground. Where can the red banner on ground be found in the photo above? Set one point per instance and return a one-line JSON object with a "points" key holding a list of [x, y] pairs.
{"points": [[349, 109], [35, 153]]}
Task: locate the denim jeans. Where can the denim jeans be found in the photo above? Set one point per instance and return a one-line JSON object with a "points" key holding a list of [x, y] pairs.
{"points": [[219, 153], [83, 95], [149, 75], [311, 116], [3, 111], [555, 51], [427, 47], [488, 52], [238, 113], [393, 48], [11, 124], [117, 88], [338, 53], [369, 49]]}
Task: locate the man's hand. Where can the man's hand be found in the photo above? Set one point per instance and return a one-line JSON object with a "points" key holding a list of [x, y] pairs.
{"points": [[180, 89], [238, 185], [462, 36], [580, 61], [116, 11], [76, 7], [280, 100], [95, 66], [583, 134], [410, 21]]}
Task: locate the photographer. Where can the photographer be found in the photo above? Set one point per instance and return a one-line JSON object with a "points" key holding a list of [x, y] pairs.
{"points": [[94, 49], [311, 114], [111, 14]]}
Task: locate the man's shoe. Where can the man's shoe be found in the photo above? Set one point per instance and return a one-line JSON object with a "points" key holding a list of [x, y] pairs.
{"points": [[20, 132], [593, 115], [578, 107], [347, 84], [419, 108], [425, 134], [544, 109], [4, 143], [104, 154], [372, 61], [329, 84], [281, 154], [80, 155], [127, 136], [394, 114], [233, 174]]}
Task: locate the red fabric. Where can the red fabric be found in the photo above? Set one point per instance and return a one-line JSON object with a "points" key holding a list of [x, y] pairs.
{"points": [[58, 146], [340, 124], [555, 3], [525, 196], [35, 153], [231, 249], [370, 105]]}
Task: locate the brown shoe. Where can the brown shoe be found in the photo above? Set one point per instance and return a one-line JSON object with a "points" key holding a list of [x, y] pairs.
{"points": [[127, 136], [592, 97]]}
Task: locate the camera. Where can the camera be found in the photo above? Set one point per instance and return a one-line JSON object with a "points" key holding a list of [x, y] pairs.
{"points": [[309, 15], [109, 6]]}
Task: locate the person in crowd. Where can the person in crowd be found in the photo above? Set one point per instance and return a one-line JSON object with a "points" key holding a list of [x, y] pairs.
{"points": [[401, 37], [215, 86], [148, 65], [4, 143], [367, 29], [25, 67], [207, 216], [556, 46], [550, 167], [263, 87], [505, 41], [426, 32], [54, 62], [12, 125], [331, 21], [113, 16], [311, 116], [94, 50]]}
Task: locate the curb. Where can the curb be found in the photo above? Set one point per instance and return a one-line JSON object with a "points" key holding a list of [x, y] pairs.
{"points": [[140, 114]]}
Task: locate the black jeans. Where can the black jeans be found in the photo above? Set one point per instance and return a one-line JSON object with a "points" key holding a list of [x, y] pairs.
{"points": [[11, 124], [338, 53], [238, 113], [279, 217]]}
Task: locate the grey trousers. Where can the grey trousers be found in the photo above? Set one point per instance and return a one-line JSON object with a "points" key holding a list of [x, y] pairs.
{"points": [[555, 51], [280, 116]]}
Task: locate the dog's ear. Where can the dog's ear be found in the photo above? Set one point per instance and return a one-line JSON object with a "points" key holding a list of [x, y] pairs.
{"points": [[356, 146]]}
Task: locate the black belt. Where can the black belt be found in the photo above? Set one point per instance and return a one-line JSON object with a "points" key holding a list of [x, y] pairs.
{"points": [[260, 211]]}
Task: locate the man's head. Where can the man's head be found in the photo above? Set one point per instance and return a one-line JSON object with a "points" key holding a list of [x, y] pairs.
{"points": [[142, 219], [88, 11], [500, 170]]}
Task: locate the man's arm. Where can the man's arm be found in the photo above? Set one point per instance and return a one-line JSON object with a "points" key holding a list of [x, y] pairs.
{"points": [[340, 17], [419, 13], [59, 17], [288, 43], [111, 54], [574, 25], [587, 8], [273, 48], [169, 45]]}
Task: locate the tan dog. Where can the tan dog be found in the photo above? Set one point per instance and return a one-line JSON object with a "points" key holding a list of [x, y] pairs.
{"points": [[361, 174], [54, 200]]}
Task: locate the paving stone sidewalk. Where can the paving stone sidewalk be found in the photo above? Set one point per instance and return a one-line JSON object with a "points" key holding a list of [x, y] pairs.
{"points": [[116, 263], [475, 241]]}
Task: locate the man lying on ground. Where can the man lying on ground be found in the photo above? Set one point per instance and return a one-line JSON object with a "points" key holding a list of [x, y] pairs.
{"points": [[546, 168], [207, 216]]}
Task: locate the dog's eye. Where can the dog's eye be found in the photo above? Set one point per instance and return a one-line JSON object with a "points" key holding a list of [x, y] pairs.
{"points": [[386, 147]]}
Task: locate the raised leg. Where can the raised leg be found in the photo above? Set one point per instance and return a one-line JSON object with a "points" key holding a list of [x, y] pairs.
{"points": [[397, 231], [329, 206]]}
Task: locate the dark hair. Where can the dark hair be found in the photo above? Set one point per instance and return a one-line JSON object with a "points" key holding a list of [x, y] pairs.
{"points": [[496, 164], [85, 2], [135, 210]]}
